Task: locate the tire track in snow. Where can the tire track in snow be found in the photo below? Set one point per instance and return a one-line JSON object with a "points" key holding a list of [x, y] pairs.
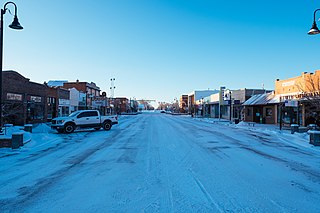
{"points": [[185, 163], [239, 144], [295, 166], [28, 194], [157, 178], [214, 204]]}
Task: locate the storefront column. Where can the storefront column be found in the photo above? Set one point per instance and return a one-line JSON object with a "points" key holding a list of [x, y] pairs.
{"points": [[303, 112], [276, 114]]}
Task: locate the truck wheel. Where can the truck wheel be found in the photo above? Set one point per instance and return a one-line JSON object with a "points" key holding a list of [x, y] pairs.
{"points": [[69, 128], [107, 125]]}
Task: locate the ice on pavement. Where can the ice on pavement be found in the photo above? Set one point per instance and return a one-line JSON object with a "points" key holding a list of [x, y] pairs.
{"points": [[162, 163]]}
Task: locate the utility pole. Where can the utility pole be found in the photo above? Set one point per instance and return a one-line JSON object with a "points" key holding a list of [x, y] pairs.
{"points": [[112, 88]]}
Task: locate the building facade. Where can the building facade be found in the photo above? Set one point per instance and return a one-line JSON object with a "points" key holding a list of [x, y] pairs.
{"points": [[90, 90], [121, 105], [23, 101], [183, 104], [196, 99], [299, 98], [262, 108]]}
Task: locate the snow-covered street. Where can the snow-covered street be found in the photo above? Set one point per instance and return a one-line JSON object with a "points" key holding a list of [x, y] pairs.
{"points": [[156, 162]]}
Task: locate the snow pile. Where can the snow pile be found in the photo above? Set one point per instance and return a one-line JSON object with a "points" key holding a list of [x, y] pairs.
{"points": [[8, 131], [42, 128]]}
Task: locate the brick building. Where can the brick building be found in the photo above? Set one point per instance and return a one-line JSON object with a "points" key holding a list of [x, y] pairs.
{"points": [[58, 102], [121, 105], [23, 101], [300, 98], [91, 91]]}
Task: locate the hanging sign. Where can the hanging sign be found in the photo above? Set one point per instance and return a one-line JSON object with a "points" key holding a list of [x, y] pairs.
{"points": [[291, 103]]}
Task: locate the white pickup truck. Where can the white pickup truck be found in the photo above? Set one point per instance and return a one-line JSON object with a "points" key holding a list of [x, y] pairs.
{"points": [[83, 119]]}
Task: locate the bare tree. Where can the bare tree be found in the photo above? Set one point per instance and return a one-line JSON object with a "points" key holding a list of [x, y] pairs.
{"points": [[12, 111], [309, 88]]}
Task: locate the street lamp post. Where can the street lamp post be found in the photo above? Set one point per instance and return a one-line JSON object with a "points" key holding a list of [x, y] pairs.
{"points": [[14, 25], [314, 29], [202, 109], [112, 88], [230, 106]]}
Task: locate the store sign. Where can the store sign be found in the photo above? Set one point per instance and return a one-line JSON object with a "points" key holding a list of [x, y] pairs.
{"points": [[221, 95], [99, 103], [36, 99], [14, 97], [64, 102], [288, 83], [291, 103], [236, 101]]}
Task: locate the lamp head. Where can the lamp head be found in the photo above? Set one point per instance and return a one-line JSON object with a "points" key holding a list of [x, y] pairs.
{"points": [[15, 24], [314, 29]]}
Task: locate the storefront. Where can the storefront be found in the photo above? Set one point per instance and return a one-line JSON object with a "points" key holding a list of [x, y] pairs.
{"points": [[262, 108], [23, 101], [35, 109]]}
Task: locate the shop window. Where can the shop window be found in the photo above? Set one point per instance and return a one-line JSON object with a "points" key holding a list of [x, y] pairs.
{"points": [[269, 112], [35, 111], [65, 111]]}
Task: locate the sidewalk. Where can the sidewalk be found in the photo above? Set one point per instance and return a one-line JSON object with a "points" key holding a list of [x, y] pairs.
{"points": [[300, 139], [243, 124]]}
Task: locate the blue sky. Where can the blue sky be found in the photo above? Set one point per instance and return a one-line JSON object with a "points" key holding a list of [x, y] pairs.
{"points": [[160, 49]]}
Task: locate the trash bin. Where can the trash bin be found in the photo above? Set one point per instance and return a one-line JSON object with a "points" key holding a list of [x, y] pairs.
{"points": [[312, 126], [28, 128], [17, 140], [302, 129], [294, 128], [314, 137]]}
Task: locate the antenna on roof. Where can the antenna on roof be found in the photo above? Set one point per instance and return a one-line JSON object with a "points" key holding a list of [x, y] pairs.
{"points": [[264, 88]]}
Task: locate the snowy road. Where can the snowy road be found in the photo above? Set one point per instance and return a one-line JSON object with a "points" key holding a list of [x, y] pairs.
{"points": [[161, 163]]}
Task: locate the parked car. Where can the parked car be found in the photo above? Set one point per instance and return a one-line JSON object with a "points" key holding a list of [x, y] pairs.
{"points": [[83, 119]]}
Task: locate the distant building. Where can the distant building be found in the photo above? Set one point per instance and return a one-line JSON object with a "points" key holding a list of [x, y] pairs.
{"points": [[195, 100], [183, 103], [56, 83], [141, 107], [121, 105], [75, 99], [91, 91]]}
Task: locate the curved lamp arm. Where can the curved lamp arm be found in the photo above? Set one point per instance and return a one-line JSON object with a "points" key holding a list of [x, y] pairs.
{"points": [[314, 29], [15, 24], [314, 15], [15, 8]]}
